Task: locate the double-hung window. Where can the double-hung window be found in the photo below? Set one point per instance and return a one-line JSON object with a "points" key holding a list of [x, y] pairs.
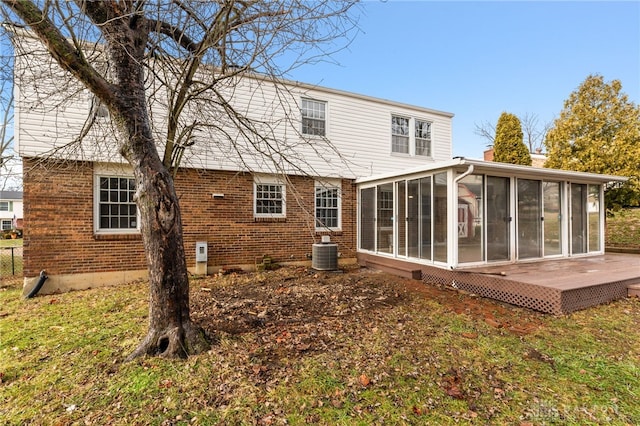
{"points": [[116, 210], [7, 225], [269, 198], [400, 134], [314, 117], [6, 206], [423, 138], [328, 200], [410, 136]]}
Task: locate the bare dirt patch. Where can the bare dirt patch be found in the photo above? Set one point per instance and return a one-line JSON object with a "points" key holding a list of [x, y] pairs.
{"points": [[295, 310]]}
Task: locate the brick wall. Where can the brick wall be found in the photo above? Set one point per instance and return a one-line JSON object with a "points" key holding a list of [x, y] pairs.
{"points": [[235, 237], [58, 212], [59, 237]]}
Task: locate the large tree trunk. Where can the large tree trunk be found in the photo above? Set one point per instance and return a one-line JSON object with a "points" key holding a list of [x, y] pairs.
{"points": [[171, 332], [125, 29]]}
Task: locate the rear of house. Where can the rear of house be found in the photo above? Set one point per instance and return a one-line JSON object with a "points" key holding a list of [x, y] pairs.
{"points": [[79, 202], [374, 176]]}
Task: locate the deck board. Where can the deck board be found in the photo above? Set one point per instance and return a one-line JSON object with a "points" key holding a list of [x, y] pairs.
{"points": [[556, 286], [574, 273]]}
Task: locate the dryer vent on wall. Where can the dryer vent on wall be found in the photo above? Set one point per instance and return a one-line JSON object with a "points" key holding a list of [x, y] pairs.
{"points": [[324, 257]]}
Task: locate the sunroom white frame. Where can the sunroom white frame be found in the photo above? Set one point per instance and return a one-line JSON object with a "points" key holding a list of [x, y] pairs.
{"points": [[456, 170]]}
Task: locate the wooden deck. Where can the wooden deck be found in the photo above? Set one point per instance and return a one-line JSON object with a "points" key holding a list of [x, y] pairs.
{"points": [[554, 286]]}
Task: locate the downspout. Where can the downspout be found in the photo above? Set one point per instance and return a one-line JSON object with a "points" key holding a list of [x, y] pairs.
{"points": [[38, 286], [465, 174], [454, 251]]}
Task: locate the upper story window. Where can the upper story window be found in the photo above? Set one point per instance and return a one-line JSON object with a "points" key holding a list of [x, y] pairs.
{"points": [[116, 210], [410, 136], [6, 206], [400, 134], [423, 138], [314, 118], [328, 205], [269, 198]]}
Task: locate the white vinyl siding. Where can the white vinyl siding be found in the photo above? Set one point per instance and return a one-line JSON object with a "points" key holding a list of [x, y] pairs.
{"points": [[356, 141]]}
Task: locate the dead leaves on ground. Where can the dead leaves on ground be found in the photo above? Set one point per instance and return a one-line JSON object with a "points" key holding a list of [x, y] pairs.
{"points": [[292, 310], [278, 317]]}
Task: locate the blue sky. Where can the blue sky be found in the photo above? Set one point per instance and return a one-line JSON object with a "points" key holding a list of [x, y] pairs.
{"points": [[478, 59]]}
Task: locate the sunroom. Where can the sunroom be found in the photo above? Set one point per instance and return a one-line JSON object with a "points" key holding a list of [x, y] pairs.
{"points": [[468, 213]]}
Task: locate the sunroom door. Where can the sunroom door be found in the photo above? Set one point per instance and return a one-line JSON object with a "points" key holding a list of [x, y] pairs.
{"points": [[419, 218], [529, 222], [470, 217], [578, 218], [552, 218], [498, 218], [384, 218]]}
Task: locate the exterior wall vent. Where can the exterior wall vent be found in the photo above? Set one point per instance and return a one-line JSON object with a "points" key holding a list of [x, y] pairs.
{"points": [[324, 257]]}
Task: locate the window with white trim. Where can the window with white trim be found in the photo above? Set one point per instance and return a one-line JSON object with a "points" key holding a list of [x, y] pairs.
{"points": [[423, 138], [116, 210], [6, 206], [314, 117], [269, 199], [328, 205], [399, 134], [7, 225]]}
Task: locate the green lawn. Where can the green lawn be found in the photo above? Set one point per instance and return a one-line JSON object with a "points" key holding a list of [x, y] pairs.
{"points": [[420, 361], [11, 243], [623, 228], [10, 260]]}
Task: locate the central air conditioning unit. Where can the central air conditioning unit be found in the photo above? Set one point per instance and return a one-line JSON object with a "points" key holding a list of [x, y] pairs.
{"points": [[324, 256]]}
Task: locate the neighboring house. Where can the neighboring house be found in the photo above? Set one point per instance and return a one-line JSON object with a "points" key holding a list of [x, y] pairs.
{"points": [[11, 210], [385, 186], [537, 158]]}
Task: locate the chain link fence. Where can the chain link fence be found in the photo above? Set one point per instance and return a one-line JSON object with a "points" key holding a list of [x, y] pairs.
{"points": [[10, 266]]}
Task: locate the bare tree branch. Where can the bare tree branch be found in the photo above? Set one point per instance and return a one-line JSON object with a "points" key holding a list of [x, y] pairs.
{"points": [[67, 56], [534, 132], [487, 131], [169, 73]]}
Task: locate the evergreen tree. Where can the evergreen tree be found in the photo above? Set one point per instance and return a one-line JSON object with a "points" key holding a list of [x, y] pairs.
{"points": [[508, 146], [598, 131]]}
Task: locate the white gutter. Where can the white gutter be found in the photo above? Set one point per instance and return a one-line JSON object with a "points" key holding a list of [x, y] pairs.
{"points": [[493, 167]]}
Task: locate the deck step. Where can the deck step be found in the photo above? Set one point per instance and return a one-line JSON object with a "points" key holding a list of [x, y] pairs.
{"points": [[396, 269], [633, 290]]}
